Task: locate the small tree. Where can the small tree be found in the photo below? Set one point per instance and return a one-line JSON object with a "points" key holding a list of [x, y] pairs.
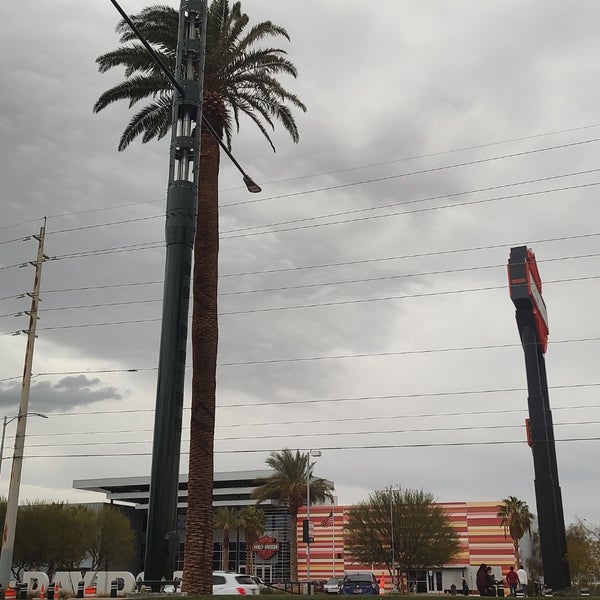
{"points": [[583, 552], [252, 522], [50, 536], [400, 525], [110, 539], [226, 519], [516, 520]]}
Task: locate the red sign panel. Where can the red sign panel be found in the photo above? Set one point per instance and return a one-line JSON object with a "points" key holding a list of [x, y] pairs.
{"points": [[266, 547], [526, 289]]}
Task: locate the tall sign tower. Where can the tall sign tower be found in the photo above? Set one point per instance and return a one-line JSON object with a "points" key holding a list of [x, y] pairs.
{"points": [[532, 321]]}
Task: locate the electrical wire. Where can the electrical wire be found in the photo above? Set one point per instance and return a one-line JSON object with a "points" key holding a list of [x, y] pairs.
{"points": [[404, 159], [325, 448]]}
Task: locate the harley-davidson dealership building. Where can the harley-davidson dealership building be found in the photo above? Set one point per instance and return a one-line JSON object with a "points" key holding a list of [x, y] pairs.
{"points": [[481, 535]]}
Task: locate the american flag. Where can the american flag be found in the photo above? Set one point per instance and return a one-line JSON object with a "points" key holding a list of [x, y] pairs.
{"points": [[327, 521]]}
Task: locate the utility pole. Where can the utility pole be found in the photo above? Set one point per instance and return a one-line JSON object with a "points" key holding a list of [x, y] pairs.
{"points": [[12, 503], [162, 540]]}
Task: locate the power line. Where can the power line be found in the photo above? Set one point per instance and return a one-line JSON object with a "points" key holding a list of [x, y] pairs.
{"points": [[302, 286], [416, 201], [335, 420], [415, 210], [326, 448], [227, 234], [404, 159], [362, 182], [338, 264], [315, 434], [412, 173], [313, 305], [312, 358]]}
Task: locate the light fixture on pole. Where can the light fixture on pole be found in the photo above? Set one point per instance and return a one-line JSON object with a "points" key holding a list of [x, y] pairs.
{"points": [[307, 529], [8, 420]]}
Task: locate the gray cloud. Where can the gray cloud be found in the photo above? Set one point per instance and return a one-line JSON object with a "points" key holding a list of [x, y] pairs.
{"points": [[67, 393]]}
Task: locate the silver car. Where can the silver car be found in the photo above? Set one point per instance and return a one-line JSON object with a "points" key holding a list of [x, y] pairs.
{"points": [[333, 585]]}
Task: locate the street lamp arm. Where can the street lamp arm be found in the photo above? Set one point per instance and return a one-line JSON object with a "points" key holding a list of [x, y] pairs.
{"points": [[150, 49]]}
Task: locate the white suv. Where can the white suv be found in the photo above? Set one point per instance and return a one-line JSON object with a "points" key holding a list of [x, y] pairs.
{"points": [[227, 583]]}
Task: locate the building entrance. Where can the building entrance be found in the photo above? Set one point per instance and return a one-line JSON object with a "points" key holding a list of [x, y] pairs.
{"points": [[265, 572]]}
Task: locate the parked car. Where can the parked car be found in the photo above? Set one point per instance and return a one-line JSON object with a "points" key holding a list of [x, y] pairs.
{"points": [[230, 584], [332, 586], [363, 583]]}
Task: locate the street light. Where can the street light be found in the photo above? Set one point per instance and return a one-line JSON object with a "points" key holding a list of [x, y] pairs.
{"points": [[8, 420], [316, 454], [182, 197]]}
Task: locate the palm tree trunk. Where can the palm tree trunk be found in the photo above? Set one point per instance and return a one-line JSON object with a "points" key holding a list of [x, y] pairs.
{"points": [[198, 544], [225, 553]]}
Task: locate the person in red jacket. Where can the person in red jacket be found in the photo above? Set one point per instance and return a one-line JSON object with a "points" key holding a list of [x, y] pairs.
{"points": [[513, 581]]}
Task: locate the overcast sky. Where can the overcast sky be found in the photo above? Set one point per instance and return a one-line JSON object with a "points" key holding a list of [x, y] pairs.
{"points": [[364, 303]]}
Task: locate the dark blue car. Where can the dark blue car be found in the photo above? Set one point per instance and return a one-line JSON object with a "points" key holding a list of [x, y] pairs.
{"points": [[355, 584]]}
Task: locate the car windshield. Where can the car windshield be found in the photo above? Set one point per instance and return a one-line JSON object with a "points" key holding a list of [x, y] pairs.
{"points": [[245, 580], [333, 580]]}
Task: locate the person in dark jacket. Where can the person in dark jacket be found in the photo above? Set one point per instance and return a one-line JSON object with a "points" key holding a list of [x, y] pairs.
{"points": [[465, 587], [491, 582], [481, 580]]}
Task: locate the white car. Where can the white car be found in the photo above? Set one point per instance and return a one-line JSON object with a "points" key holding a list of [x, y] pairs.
{"points": [[226, 583]]}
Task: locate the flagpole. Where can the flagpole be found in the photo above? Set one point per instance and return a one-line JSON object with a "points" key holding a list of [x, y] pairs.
{"points": [[333, 538]]}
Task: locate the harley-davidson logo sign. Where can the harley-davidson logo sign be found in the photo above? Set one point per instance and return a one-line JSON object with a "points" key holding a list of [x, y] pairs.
{"points": [[265, 547]]}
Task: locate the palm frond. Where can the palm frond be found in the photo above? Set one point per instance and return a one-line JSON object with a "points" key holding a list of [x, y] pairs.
{"points": [[238, 71], [133, 89], [152, 121], [133, 58]]}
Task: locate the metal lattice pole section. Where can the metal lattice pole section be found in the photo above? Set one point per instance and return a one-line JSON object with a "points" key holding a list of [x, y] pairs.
{"points": [[12, 504], [162, 540]]}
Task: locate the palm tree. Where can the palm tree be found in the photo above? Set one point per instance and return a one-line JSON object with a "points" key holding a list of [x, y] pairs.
{"points": [[239, 78], [288, 486], [516, 520], [252, 522], [226, 518]]}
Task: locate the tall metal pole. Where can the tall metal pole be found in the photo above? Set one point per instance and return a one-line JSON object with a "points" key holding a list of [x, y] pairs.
{"points": [[162, 540], [393, 544], [12, 503], [532, 321], [308, 474]]}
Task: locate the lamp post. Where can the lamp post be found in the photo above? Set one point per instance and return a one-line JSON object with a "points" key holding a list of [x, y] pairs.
{"points": [[8, 420], [316, 454], [392, 545], [162, 540]]}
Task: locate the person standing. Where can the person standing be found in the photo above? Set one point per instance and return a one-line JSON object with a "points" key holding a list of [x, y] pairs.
{"points": [[481, 580], [513, 581], [522, 575], [465, 587], [491, 582]]}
